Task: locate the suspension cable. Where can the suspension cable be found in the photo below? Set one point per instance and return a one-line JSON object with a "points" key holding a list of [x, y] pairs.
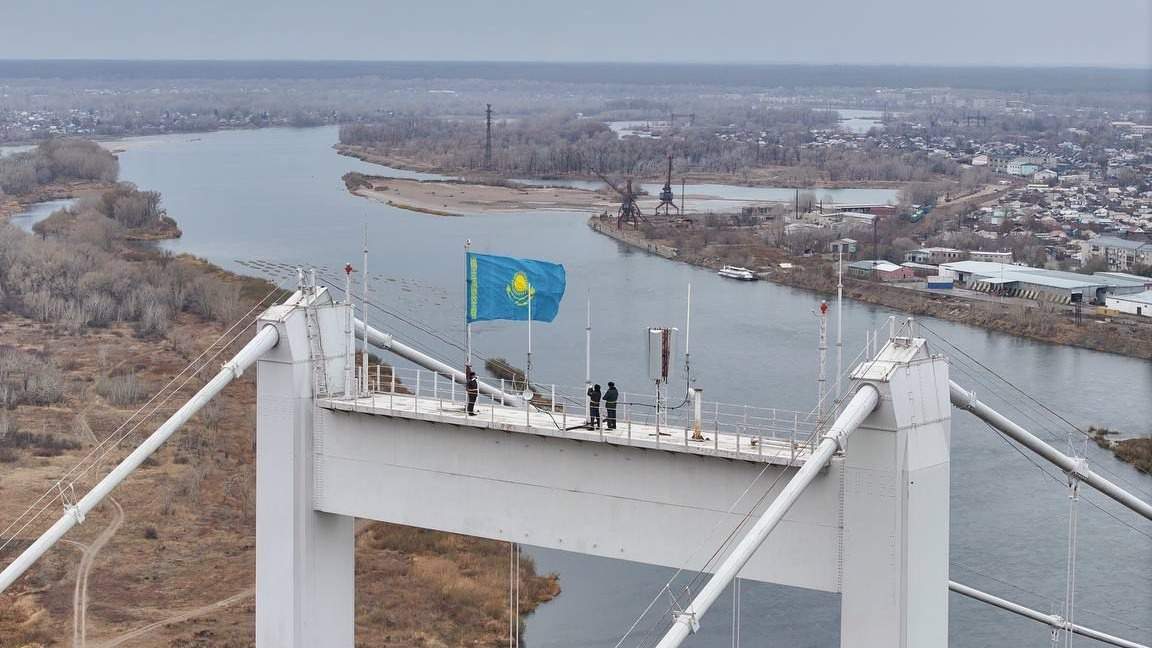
{"points": [[1032, 399], [1070, 568]]}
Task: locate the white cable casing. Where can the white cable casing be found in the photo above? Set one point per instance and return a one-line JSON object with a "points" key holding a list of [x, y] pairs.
{"points": [[853, 414], [382, 340], [966, 400], [1052, 620]]}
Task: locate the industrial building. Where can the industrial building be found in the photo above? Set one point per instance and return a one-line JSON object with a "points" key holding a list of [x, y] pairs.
{"points": [[882, 270], [1137, 304], [922, 269], [1038, 283], [935, 255], [1140, 279]]}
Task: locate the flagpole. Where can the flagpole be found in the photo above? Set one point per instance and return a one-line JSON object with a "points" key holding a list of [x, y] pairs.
{"points": [[528, 369], [467, 303]]}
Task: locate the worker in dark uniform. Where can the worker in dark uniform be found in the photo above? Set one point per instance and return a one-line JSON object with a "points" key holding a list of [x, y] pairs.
{"points": [[610, 398], [472, 386], [594, 407]]}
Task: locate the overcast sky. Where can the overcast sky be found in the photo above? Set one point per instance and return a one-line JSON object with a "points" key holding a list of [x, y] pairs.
{"points": [[998, 32]]}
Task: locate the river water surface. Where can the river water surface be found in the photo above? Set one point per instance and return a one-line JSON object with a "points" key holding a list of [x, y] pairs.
{"points": [[277, 195]]}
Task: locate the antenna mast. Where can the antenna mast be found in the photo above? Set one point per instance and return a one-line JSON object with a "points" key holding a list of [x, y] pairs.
{"points": [[821, 381], [839, 317], [488, 136], [364, 318], [350, 331]]}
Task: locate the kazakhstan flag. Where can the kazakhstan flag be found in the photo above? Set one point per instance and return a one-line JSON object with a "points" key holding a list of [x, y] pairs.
{"points": [[499, 288]]}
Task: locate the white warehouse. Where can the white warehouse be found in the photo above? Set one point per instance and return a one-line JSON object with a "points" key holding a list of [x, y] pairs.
{"points": [[1138, 304]]}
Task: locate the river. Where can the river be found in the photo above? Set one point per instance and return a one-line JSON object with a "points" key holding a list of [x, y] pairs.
{"points": [[859, 122], [277, 195]]}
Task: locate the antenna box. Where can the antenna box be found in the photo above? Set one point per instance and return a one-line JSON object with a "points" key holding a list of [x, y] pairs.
{"points": [[661, 352]]}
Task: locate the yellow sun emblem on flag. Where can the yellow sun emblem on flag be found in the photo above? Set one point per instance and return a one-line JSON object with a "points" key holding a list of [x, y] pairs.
{"points": [[519, 290]]}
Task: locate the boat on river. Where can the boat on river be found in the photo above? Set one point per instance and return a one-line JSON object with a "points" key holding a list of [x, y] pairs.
{"points": [[736, 272]]}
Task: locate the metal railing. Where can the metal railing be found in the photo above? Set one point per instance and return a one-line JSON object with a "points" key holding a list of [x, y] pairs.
{"points": [[680, 420]]}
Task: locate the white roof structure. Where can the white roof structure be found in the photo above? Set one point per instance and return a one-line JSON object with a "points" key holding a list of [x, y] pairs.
{"points": [[1002, 273], [877, 266], [1127, 277], [1139, 298]]}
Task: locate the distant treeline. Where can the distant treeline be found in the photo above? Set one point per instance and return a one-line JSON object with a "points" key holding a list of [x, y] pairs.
{"points": [[1009, 79], [730, 141], [55, 161], [544, 145]]}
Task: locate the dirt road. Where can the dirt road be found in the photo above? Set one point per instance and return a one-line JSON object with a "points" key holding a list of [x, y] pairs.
{"points": [[144, 631], [87, 559]]}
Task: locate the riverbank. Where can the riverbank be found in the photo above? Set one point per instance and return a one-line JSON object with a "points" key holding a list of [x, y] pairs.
{"points": [[179, 535], [11, 205], [1125, 336], [451, 198], [1136, 450]]}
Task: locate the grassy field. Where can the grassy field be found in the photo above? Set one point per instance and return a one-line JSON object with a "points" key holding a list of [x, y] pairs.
{"points": [[179, 569]]}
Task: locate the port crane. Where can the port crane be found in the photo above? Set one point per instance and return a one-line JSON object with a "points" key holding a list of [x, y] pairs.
{"points": [[667, 198], [629, 212]]}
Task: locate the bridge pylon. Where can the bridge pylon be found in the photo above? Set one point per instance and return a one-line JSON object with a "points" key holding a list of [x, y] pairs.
{"points": [[305, 558]]}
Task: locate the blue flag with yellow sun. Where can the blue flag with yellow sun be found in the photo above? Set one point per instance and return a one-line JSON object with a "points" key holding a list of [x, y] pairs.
{"points": [[500, 288]]}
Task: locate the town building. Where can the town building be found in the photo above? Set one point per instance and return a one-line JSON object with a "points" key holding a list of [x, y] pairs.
{"points": [[1121, 254], [1021, 167], [845, 246], [880, 269], [935, 255], [991, 257]]}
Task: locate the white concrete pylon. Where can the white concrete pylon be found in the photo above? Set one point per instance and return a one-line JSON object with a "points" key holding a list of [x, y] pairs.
{"points": [[305, 559]]}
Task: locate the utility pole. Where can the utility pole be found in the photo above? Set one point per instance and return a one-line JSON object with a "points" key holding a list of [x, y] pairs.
{"points": [[488, 136]]}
